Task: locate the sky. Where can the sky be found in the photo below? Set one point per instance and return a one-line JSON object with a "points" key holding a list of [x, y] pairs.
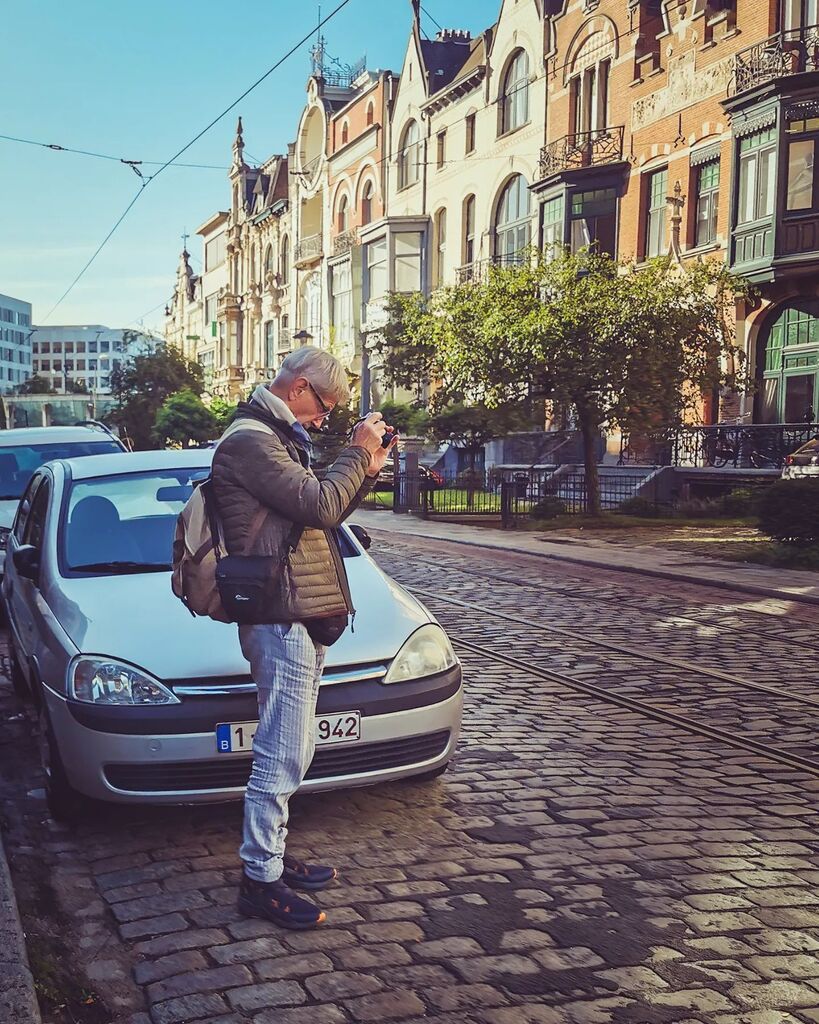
{"points": [[138, 81]]}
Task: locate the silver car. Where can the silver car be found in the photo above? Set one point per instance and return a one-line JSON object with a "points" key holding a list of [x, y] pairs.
{"points": [[25, 449], [141, 702]]}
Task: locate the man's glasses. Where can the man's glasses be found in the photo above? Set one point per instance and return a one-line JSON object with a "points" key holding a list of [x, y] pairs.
{"points": [[325, 409]]}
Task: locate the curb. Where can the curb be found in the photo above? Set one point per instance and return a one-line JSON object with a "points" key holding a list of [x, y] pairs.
{"points": [[663, 574], [18, 1001]]}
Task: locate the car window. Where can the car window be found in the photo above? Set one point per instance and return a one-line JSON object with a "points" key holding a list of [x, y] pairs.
{"points": [[35, 525], [811, 448], [19, 462], [23, 509], [126, 522]]}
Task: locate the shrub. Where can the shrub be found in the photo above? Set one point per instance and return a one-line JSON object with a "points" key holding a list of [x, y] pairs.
{"points": [[699, 508], [639, 507], [471, 479], [739, 502], [789, 511], [549, 507]]}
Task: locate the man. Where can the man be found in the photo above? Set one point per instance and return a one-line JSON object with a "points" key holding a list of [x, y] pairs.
{"points": [[268, 468]]}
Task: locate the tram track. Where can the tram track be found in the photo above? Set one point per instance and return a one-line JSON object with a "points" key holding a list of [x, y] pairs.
{"points": [[683, 722], [544, 586]]}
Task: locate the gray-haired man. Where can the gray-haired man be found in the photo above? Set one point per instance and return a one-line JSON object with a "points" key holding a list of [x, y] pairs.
{"points": [[269, 469]]}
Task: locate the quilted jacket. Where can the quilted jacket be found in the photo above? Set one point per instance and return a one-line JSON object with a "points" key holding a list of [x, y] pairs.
{"points": [[268, 469]]}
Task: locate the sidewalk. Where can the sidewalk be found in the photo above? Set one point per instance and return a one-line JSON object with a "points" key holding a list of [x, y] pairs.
{"points": [[18, 1002], [784, 584]]}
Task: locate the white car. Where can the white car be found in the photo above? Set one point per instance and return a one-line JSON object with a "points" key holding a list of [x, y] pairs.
{"points": [[141, 702], [25, 449], [802, 463]]}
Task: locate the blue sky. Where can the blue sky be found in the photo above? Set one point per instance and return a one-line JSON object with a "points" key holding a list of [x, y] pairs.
{"points": [[138, 81]]}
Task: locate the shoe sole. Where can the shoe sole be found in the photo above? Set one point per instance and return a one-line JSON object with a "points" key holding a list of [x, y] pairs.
{"points": [[299, 882], [248, 909]]}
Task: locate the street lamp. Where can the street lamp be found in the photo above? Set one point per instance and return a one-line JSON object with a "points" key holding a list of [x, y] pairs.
{"points": [[303, 337]]}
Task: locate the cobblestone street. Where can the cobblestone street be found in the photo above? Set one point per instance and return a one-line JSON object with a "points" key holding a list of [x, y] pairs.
{"points": [[583, 861]]}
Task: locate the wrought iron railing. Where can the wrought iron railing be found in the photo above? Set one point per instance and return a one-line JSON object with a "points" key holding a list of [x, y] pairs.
{"points": [[344, 242], [788, 52], [474, 271], [308, 248], [583, 149], [738, 446]]}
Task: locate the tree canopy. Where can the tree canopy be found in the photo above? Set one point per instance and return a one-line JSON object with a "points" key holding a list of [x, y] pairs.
{"points": [[183, 418], [141, 387], [613, 344]]}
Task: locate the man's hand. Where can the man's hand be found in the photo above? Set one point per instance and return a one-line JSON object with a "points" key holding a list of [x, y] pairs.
{"points": [[369, 434]]}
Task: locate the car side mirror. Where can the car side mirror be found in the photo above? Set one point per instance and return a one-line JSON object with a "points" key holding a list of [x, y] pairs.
{"points": [[361, 535], [27, 561]]}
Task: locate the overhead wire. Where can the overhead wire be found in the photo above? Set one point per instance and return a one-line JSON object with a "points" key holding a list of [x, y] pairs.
{"points": [[187, 146], [104, 156]]}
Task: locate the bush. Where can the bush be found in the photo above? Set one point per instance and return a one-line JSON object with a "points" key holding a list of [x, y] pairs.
{"points": [[470, 479], [699, 508], [639, 507], [548, 508], [789, 511], [739, 502]]}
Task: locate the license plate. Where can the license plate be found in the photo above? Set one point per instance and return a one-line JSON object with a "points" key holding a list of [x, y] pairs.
{"points": [[235, 737]]}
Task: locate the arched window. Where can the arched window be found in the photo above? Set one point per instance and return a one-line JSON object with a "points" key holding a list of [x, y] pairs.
{"points": [[409, 156], [345, 133], [284, 260], [343, 215], [269, 261], [787, 362], [513, 221], [367, 203], [514, 97], [469, 231], [440, 247], [370, 113], [269, 346]]}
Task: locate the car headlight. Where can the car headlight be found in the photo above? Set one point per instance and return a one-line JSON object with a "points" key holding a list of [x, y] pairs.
{"points": [[5, 533], [105, 681], [427, 652]]}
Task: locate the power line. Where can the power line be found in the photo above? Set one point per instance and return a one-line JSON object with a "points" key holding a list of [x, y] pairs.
{"points": [[434, 22], [103, 156], [188, 145]]}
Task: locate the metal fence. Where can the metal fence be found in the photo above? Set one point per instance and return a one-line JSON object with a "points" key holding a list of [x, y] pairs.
{"points": [[757, 446]]}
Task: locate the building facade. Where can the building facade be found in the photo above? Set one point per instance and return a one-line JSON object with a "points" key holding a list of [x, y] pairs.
{"points": [[641, 127], [82, 357], [15, 343]]}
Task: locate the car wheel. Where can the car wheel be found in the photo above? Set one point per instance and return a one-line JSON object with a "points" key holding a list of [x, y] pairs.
{"points": [[430, 776], [18, 679], [65, 804]]}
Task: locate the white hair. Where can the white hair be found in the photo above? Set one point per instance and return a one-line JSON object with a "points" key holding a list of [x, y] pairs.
{"points": [[323, 371]]}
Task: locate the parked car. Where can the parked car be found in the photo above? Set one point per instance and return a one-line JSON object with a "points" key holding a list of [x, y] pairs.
{"points": [[804, 462], [386, 478], [25, 449], [141, 702]]}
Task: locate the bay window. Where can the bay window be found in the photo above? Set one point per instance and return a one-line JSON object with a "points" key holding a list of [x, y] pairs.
{"points": [[757, 176]]}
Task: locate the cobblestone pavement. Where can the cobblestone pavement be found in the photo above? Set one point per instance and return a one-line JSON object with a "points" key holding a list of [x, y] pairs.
{"points": [[579, 864]]}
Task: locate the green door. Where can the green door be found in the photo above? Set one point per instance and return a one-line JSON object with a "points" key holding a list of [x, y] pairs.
{"points": [[788, 364]]}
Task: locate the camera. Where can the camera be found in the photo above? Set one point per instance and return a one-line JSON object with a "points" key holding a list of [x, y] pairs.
{"points": [[386, 440]]}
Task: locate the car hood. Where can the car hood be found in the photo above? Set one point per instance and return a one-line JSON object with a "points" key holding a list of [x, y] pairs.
{"points": [[8, 510], [139, 620]]}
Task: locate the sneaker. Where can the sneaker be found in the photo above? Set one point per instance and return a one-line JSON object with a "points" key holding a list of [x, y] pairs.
{"points": [[275, 901], [307, 876]]}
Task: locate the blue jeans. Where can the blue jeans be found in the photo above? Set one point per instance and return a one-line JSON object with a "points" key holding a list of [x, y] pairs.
{"points": [[286, 666]]}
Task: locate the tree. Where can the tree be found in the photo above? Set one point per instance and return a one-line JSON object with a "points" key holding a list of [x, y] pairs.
{"points": [[142, 385], [184, 418], [329, 442], [36, 385], [407, 419], [223, 412], [614, 345]]}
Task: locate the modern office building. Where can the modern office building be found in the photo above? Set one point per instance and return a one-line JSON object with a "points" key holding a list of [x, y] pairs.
{"points": [[15, 342]]}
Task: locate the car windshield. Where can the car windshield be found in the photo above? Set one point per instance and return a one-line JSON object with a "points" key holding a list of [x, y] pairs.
{"points": [[19, 463], [125, 524], [118, 525]]}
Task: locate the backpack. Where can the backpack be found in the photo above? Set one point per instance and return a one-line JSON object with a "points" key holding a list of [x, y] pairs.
{"points": [[199, 548]]}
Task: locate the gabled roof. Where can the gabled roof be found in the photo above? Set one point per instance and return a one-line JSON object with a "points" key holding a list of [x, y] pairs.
{"points": [[444, 57], [469, 76]]}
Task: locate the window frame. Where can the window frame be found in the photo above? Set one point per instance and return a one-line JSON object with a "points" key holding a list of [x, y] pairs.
{"points": [[514, 97], [656, 184], [711, 195], [409, 169], [520, 224], [753, 151]]}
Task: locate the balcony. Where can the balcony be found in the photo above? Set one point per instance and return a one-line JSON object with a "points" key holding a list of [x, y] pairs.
{"points": [[344, 242], [789, 52], [308, 250], [583, 149]]}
